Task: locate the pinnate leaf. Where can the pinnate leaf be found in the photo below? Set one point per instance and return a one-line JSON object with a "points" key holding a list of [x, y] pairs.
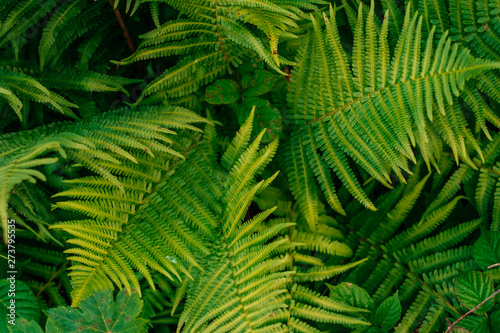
{"points": [[352, 294]]}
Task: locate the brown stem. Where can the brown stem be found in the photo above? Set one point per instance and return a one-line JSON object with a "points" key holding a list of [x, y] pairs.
{"points": [[287, 71], [472, 310], [124, 27], [220, 40], [52, 278]]}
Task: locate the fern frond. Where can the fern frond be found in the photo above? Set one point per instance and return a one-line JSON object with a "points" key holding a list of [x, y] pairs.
{"points": [[241, 263], [216, 33], [22, 17], [63, 16], [353, 118], [418, 256], [303, 311], [26, 305], [301, 181], [483, 179], [163, 217], [86, 143]]}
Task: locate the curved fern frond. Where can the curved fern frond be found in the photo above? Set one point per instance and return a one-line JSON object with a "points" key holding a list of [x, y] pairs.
{"points": [[22, 17], [129, 219], [374, 112], [307, 263], [100, 144], [62, 17], [16, 87], [417, 259], [483, 178], [211, 39], [240, 288]]}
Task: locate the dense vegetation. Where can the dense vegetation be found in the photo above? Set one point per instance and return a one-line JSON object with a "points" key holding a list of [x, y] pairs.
{"points": [[250, 166]]}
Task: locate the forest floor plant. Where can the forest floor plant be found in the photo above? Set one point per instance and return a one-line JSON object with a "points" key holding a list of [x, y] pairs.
{"points": [[250, 166]]}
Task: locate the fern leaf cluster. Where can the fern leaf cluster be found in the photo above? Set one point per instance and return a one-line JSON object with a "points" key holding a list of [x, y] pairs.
{"points": [[375, 108], [210, 41], [249, 166]]}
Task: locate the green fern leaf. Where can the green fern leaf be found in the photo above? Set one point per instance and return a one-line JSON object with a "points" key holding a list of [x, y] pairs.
{"points": [[352, 117]]}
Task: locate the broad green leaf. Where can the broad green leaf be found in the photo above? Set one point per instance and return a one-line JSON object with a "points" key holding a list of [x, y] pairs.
{"points": [[352, 294], [258, 83], [250, 64], [388, 313], [100, 313], [223, 91], [26, 326], [472, 288], [50, 327], [475, 324], [486, 251], [495, 321]]}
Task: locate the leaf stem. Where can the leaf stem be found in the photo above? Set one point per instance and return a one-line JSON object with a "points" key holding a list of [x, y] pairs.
{"points": [[124, 27]]}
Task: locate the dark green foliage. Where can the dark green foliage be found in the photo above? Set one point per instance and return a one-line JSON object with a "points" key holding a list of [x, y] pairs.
{"points": [[25, 303], [486, 250], [250, 166], [98, 313]]}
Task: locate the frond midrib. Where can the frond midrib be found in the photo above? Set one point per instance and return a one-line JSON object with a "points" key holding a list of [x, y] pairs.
{"points": [[380, 90], [112, 246], [233, 276]]}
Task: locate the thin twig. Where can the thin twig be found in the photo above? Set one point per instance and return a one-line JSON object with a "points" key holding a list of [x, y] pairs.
{"points": [[125, 33], [494, 265], [52, 278], [220, 40], [474, 309], [124, 27]]}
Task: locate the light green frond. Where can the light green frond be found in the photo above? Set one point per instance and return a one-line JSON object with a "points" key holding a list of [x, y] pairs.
{"points": [[303, 311], [301, 181], [240, 286], [112, 202], [239, 142], [318, 242], [324, 272], [374, 120], [303, 294]]}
